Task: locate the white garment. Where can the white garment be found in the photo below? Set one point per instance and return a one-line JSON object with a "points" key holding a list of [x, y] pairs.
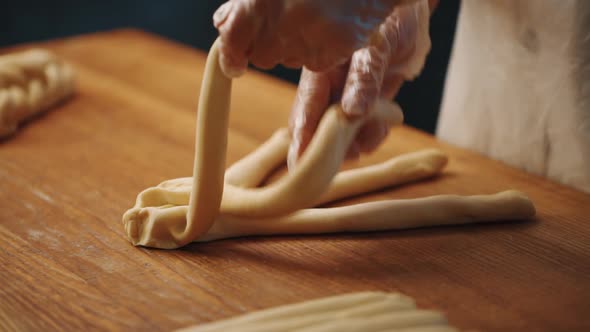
{"points": [[518, 86]]}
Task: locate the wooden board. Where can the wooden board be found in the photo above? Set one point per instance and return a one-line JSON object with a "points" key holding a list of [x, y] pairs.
{"points": [[67, 177]]}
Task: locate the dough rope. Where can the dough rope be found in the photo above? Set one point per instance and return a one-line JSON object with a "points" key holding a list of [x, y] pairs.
{"points": [[215, 204], [364, 311], [30, 82]]}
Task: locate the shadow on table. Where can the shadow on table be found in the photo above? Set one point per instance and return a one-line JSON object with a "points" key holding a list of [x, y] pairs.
{"points": [[367, 255]]}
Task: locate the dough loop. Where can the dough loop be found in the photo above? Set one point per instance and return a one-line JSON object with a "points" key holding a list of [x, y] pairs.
{"points": [[216, 204]]}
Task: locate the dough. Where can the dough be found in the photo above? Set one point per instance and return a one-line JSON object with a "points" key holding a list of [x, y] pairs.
{"points": [[365, 311], [207, 207], [30, 82]]}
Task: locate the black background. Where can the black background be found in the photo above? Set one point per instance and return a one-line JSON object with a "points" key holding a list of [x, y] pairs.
{"points": [[189, 22]]}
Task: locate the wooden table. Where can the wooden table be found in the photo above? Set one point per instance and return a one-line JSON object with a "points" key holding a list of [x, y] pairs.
{"points": [[67, 177]]}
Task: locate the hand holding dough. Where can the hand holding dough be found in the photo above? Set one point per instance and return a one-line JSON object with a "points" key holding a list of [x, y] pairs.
{"points": [[207, 207], [30, 82]]}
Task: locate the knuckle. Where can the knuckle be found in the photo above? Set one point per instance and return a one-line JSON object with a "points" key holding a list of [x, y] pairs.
{"points": [[263, 62]]}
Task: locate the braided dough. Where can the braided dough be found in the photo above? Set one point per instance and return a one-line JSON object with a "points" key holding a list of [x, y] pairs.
{"points": [[30, 82], [208, 207], [365, 311]]}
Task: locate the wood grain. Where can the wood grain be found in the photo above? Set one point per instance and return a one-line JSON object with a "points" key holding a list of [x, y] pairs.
{"points": [[67, 177]]}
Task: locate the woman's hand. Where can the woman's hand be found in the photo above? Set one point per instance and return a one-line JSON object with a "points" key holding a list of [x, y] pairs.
{"points": [[353, 51], [396, 54], [315, 34]]}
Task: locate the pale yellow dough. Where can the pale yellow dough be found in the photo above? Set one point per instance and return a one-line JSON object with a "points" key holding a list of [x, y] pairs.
{"points": [[216, 204], [365, 311], [30, 82]]}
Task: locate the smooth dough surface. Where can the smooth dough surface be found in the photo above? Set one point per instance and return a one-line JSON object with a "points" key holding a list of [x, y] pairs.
{"points": [[215, 203], [364, 311]]}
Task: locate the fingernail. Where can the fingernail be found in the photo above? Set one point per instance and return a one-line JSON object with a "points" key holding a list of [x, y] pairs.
{"points": [[221, 14]]}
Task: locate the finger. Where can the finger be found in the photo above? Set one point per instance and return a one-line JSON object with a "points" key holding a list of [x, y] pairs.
{"points": [[367, 70], [222, 13], [238, 24], [414, 44], [312, 99], [267, 49], [404, 23], [316, 91]]}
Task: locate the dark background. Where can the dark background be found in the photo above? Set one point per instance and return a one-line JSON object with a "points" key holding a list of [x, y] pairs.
{"points": [[189, 22]]}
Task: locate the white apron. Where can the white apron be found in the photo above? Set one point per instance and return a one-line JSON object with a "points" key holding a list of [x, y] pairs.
{"points": [[518, 86]]}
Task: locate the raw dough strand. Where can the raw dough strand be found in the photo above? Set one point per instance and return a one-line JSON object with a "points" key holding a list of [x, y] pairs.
{"points": [[251, 170], [303, 186], [143, 223], [394, 172], [365, 311], [218, 209], [381, 215], [210, 150]]}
